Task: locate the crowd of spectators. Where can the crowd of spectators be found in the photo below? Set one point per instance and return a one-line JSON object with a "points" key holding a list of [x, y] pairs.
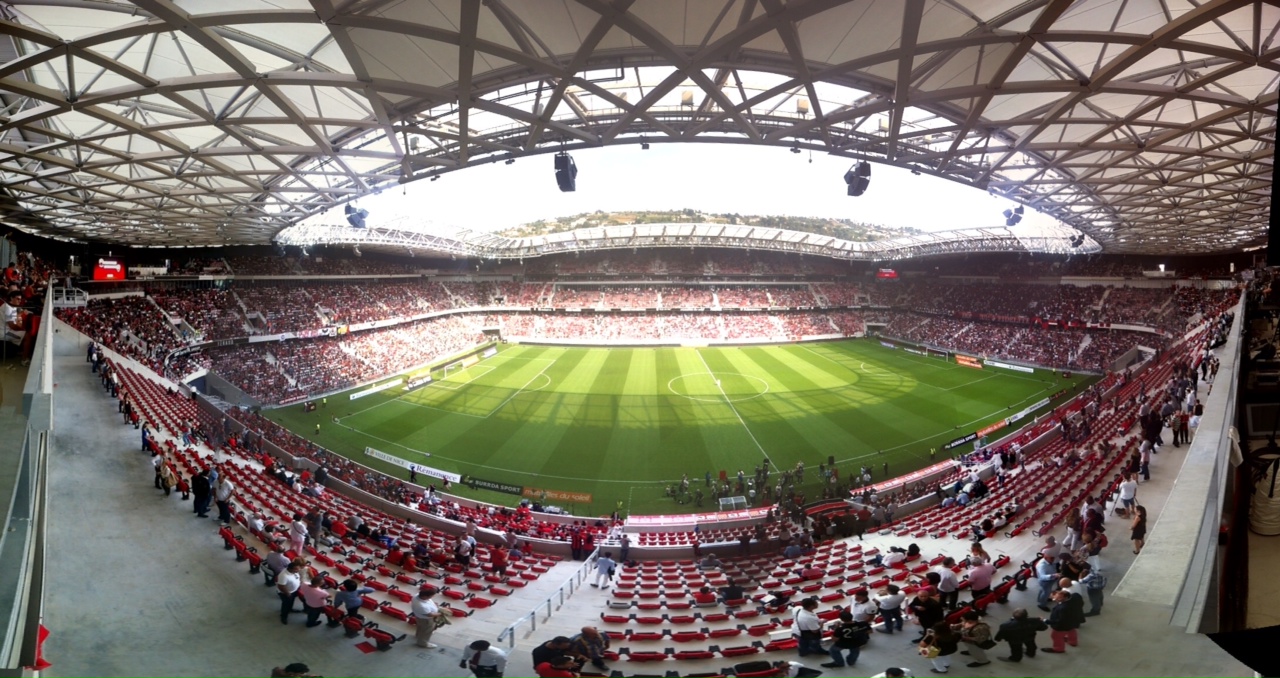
{"points": [[282, 308], [214, 313], [132, 326]]}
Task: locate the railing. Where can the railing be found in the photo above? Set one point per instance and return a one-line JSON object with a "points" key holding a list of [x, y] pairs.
{"points": [[554, 602], [22, 539], [1179, 564], [69, 297]]}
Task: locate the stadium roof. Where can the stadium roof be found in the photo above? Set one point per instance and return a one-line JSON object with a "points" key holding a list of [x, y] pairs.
{"points": [[1148, 124], [1053, 240]]}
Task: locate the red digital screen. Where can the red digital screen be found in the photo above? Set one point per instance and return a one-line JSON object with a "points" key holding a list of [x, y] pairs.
{"points": [[108, 269], [887, 274]]}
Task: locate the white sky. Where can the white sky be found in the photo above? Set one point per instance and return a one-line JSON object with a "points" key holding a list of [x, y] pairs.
{"points": [[708, 177]]}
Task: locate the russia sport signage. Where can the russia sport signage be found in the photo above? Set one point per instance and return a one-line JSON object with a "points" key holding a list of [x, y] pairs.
{"points": [[968, 361], [482, 484], [960, 441]]}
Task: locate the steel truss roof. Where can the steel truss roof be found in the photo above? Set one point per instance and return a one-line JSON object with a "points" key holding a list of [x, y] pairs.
{"points": [[1148, 124], [688, 235]]}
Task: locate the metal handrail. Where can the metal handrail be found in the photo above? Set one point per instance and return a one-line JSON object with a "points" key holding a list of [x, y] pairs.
{"points": [[572, 584]]}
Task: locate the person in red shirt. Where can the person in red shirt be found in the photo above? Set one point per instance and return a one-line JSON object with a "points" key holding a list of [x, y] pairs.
{"points": [[498, 557], [560, 667]]}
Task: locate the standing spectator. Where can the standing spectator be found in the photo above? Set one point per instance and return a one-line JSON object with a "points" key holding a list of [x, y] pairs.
{"points": [[314, 600], [484, 660], [222, 497], [287, 586], [948, 584], [604, 570], [275, 564], [624, 547], [927, 610], [1066, 617], [1020, 632], [1047, 574], [807, 628], [1094, 582], [1128, 494], [980, 576], [425, 613], [201, 490], [350, 598], [976, 636], [890, 604], [938, 644], [498, 557], [297, 533], [1139, 529]]}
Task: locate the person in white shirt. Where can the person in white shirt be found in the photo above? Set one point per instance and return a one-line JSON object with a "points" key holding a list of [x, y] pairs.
{"points": [[890, 604], [12, 318], [425, 612], [287, 585], [1128, 494], [862, 609], [222, 497], [483, 659], [948, 584], [893, 558], [808, 628], [298, 533]]}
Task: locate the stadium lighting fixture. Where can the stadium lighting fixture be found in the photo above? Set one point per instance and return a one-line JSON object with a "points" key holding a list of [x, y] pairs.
{"points": [[510, 161], [1013, 216], [566, 172], [795, 149], [356, 250], [858, 178]]}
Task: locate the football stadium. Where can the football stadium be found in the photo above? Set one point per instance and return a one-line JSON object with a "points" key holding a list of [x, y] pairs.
{"points": [[613, 338]]}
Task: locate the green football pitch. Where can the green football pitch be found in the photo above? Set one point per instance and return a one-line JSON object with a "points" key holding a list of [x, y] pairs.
{"points": [[621, 424]]}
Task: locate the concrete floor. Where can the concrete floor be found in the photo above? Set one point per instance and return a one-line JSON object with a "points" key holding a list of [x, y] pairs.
{"points": [[139, 587]]}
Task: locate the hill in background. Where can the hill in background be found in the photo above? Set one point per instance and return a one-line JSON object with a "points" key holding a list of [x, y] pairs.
{"points": [[839, 228]]}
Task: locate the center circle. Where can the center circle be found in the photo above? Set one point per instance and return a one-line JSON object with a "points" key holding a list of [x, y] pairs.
{"points": [[718, 387]]}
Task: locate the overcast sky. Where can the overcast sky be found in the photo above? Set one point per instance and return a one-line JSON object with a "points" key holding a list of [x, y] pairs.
{"points": [[708, 177]]}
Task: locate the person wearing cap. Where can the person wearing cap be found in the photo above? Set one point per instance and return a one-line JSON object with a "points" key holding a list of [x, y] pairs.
{"points": [[484, 660], [425, 612], [294, 670]]}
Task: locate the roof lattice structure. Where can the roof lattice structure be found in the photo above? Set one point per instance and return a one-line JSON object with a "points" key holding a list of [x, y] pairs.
{"points": [[1148, 124]]}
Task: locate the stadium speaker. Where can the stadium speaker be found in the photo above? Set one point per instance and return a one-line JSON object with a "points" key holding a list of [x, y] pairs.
{"points": [[566, 173], [857, 179], [1013, 216], [356, 216]]}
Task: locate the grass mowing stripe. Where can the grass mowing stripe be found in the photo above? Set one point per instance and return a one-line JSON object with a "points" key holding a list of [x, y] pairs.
{"points": [[729, 402]]}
